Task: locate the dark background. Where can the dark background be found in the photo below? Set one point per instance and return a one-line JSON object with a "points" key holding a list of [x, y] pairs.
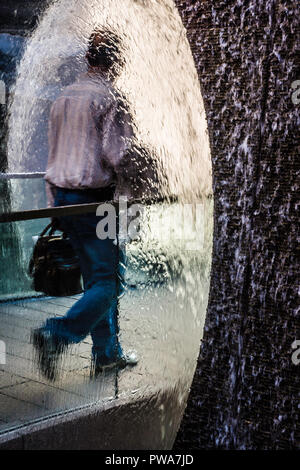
{"points": [[244, 393]]}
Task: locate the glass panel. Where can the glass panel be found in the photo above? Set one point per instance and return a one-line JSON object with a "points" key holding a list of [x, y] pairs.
{"points": [[161, 316], [11, 48], [16, 238]]}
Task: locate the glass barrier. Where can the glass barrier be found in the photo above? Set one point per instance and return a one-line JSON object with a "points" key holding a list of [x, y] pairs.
{"points": [[160, 316]]}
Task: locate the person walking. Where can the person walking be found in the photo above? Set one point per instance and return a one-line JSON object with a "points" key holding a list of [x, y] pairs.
{"points": [[90, 136]]}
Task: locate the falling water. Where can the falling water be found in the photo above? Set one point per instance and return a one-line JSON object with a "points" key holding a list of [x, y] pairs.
{"points": [[163, 311], [159, 81]]}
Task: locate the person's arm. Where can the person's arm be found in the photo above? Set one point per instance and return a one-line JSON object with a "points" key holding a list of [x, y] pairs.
{"points": [[50, 193], [134, 165], [52, 141], [50, 188], [138, 170], [118, 134]]}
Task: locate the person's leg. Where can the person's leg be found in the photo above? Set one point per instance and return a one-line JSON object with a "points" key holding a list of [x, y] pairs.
{"points": [[99, 266], [106, 347], [105, 335], [103, 266]]}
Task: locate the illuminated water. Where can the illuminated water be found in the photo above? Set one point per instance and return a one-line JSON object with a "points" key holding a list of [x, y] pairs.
{"points": [[169, 266]]}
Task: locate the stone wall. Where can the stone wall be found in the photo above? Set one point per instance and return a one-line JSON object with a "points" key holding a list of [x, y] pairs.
{"points": [[245, 387]]}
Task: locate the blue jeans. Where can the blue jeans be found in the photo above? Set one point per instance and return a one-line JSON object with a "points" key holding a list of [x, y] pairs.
{"points": [[102, 266]]}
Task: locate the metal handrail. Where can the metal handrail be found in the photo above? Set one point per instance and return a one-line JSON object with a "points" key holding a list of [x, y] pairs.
{"points": [[47, 213], [17, 176], [74, 209], [78, 209]]}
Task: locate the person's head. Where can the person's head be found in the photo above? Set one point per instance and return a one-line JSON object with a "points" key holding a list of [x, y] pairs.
{"points": [[104, 52]]}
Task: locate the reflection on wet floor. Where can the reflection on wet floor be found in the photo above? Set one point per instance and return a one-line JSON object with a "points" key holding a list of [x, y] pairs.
{"points": [[26, 396]]}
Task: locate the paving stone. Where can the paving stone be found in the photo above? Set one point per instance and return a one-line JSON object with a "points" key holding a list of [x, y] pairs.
{"points": [[45, 396], [66, 302], [140, 329], [14, 411], [8, 379], [46, 308]]}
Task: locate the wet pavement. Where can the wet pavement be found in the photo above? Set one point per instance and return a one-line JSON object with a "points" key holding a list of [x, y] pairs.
{"points": [[26, 396]]}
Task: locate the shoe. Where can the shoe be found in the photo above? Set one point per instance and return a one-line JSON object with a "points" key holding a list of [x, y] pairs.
{"points": [[48, 347], [128, 359]]}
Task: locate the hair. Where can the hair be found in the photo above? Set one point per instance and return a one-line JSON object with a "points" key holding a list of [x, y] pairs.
{"points": [[105, 54]]}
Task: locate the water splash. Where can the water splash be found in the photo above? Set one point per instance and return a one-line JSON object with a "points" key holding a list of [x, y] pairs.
{"points": [[159, 81]]}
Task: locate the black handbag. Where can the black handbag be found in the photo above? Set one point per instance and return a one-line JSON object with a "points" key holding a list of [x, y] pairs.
{"points": [[54, 266]]}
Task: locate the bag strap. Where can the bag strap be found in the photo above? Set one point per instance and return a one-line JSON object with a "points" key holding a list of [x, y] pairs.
{"points": [[52, 227], [46, 230], [32, 260]]}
